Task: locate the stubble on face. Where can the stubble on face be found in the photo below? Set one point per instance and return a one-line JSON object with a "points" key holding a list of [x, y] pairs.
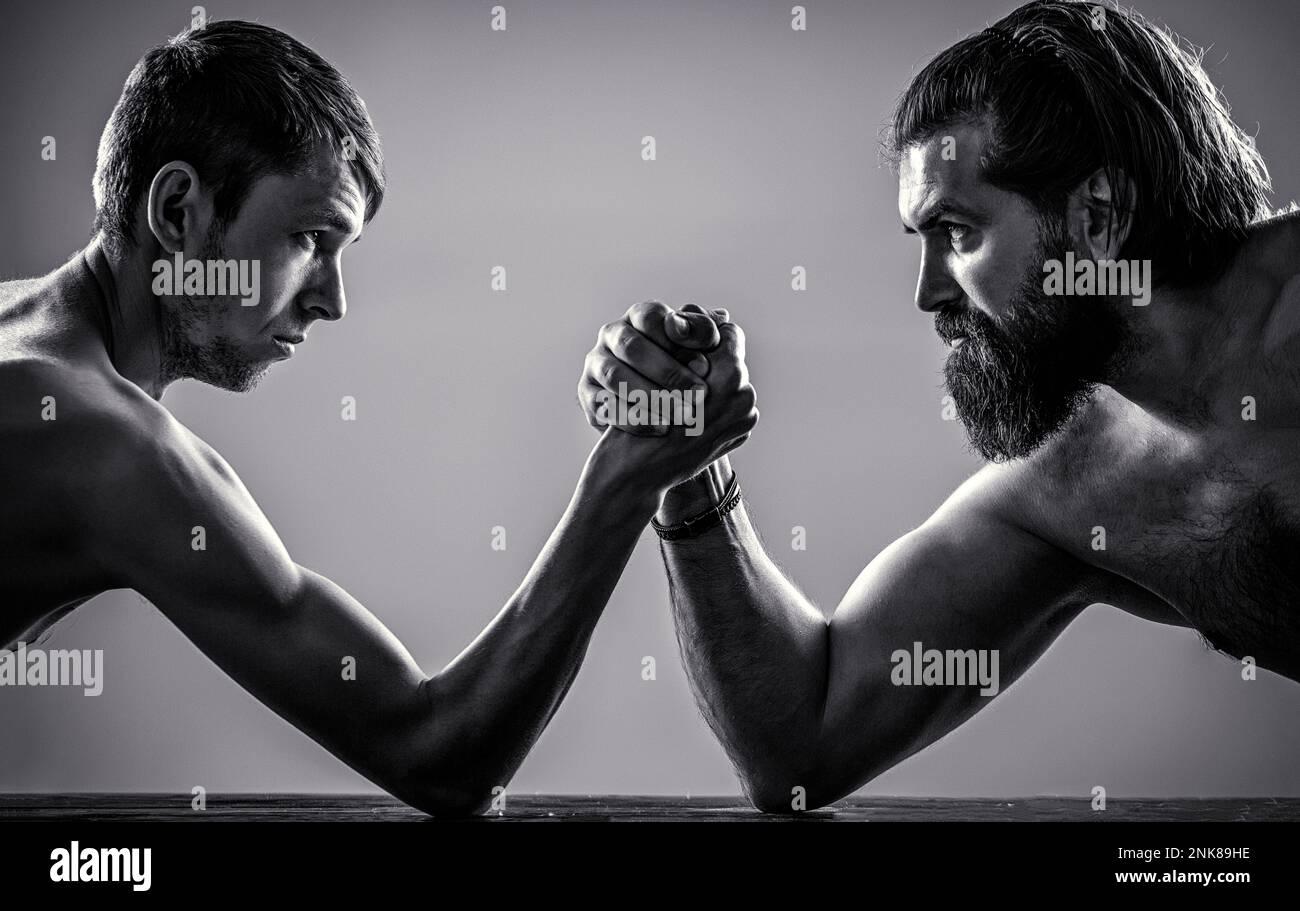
{"points": [[193, 345]]}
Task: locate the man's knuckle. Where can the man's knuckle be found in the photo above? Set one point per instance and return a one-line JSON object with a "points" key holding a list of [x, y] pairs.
{"points": [[647, 315], [627, 342]]}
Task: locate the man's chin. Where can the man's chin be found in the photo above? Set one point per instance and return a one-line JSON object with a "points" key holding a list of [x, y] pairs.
{"points": [[248, 382], [243, 379]]}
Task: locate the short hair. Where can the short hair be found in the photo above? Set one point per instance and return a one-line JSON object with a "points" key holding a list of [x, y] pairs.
{"points": [[1062, 99], [236, 100]]}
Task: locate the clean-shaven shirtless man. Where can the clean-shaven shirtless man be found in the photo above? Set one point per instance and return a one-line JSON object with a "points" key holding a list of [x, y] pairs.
{"points": [[234, 143]]}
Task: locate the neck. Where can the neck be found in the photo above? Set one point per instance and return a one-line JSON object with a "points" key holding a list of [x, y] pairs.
{"points": [[133, 332], [1188, 344], [1173, 349]]}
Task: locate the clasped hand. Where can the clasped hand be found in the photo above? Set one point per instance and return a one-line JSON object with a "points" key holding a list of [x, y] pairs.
{"points": [[669, 389]]}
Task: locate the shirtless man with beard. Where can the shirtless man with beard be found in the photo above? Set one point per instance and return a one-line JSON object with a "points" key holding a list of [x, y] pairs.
{"points": [[1172, 423], [227, 144]]}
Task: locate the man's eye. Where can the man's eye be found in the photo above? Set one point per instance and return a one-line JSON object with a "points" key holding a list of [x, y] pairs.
{"points": [[956, 232], [309, 239]]}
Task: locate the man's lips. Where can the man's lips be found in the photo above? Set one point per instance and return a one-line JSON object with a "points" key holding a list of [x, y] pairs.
{"points": [[951, 328], [286, 343]]}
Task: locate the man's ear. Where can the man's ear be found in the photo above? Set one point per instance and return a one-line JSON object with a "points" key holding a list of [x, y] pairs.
{"points": [[1100, 214], [178, 208]]}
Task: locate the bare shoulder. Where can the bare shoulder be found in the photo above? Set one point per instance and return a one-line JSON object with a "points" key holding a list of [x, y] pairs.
{"points": [[136, 499], [57, 409], [1269, 267], [1018, 492], [1027, 501], [27, 317], [18, 289], [1000, 508], [121, 472]]}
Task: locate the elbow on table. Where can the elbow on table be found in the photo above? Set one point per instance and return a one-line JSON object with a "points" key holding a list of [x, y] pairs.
{"points": [[451, 802], [448, 789], [445, 775], [443, 795], [791, 792], [775, 800]]}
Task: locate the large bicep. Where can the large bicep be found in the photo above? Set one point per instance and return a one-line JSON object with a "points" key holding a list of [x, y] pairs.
{"points": [[968, 590]]}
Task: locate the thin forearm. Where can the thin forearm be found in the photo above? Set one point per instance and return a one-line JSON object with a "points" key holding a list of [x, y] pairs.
{"points": [[755, 648], [493, 701]]}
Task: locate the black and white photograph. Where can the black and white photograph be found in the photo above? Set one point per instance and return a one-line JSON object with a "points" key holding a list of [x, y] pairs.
{"points": [[380, 442]]}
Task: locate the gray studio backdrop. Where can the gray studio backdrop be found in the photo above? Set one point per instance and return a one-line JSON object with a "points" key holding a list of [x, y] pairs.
{"points": [[522, 149]]}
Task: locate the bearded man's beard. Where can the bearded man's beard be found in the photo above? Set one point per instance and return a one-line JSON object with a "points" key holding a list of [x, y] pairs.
{"points": [[190, 350], [1019, 379]]}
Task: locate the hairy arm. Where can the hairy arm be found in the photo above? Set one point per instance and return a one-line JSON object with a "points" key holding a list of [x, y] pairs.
{"points": [[285, 633], [801, 701]]}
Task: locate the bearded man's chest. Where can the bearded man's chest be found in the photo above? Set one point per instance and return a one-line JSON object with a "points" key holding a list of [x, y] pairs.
{"points": [[1214, 531]]}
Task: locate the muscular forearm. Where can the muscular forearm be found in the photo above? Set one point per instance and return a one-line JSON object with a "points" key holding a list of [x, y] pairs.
{"points": [[755, 648], [492, 702]]}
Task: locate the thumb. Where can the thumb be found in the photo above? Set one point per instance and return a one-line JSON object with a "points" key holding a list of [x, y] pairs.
{"points": [[689, 329], [732, 343]]}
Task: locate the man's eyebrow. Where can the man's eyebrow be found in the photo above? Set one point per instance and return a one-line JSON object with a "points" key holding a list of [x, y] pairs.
{"points": [[334, 219], [940, 210]]}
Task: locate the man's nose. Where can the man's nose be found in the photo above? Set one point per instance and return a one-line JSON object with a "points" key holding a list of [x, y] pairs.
{"points": [[327, 300], [935, 286]]}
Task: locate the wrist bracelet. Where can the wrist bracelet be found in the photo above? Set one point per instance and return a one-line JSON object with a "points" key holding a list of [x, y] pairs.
{"points": [[698, 524]]}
